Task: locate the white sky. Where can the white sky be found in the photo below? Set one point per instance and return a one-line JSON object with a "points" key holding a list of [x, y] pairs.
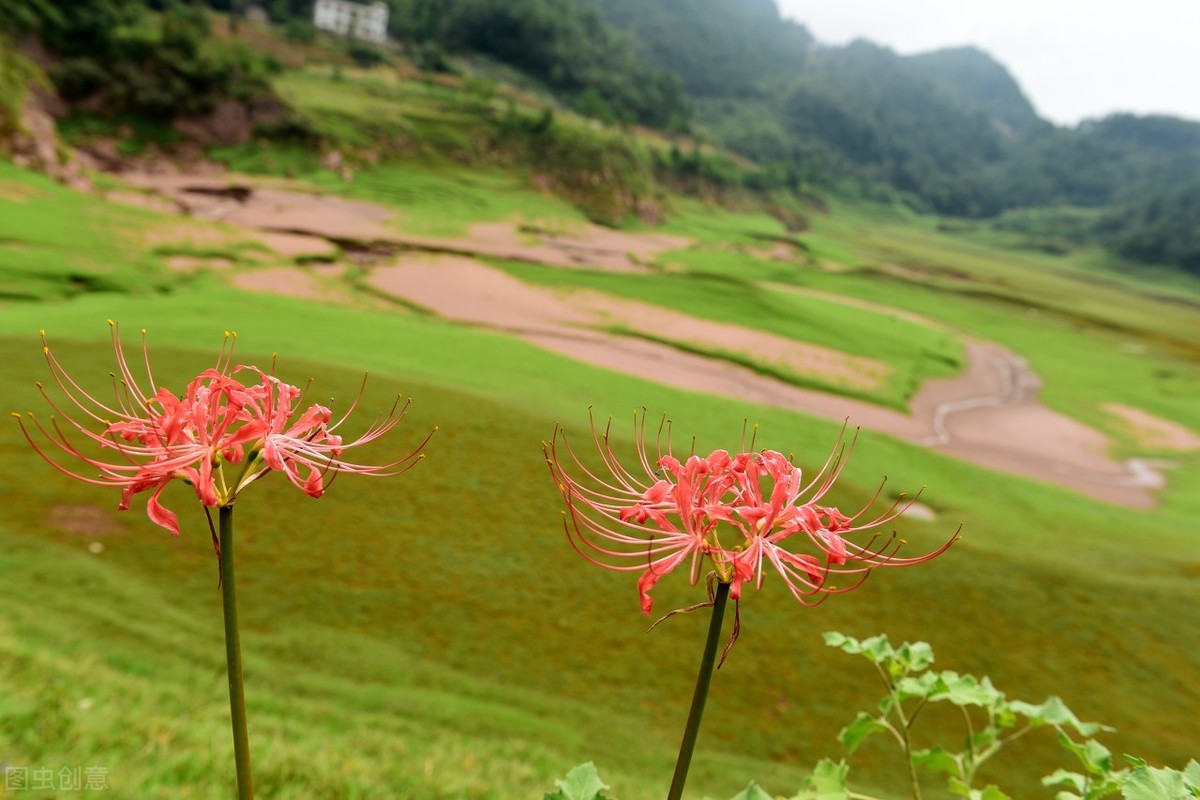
{"points": [[1073, 58]]}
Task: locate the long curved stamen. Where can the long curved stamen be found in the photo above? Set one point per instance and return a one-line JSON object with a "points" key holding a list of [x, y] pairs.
{"points": [[148, 437], [677, 513]]}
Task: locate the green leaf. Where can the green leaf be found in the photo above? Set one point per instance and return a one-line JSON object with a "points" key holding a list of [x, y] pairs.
{"points": [[925, 685], [990, 793], [984, 739], [864, 725], [835, 639], [967, 690], [827, 782], [752, 792], [878, 649], [936, 759], [956, 786], [1094, 756], [1055, 712], [915, 656], [1191, 775], [582, 783], [1063, 778], [1106, 786], [1150, 783]]}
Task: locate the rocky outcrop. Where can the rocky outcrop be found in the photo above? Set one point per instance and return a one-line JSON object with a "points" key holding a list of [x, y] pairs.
{"points": [[33, 142], [28, 107]]}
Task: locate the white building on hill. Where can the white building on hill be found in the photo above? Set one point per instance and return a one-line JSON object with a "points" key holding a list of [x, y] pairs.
{"points": [[352, 19]]}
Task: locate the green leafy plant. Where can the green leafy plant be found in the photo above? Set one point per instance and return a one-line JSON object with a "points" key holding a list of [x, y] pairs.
{"points": [[581, 783], [992, 722]]}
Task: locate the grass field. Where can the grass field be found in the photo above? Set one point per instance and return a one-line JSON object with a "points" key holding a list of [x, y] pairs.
{"points": [[434, 636]]}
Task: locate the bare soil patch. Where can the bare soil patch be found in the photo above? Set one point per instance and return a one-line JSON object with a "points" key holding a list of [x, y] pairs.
{"points": [[290, 281], [989, 415], [84, 520], [267, 207], [588, 246], [153, 202], [798, 358], [468, 291], [294, 245], [1155, 433]]}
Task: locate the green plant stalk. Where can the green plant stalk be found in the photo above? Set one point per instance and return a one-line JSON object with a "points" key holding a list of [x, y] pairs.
{"points": [[906, 740], [903, 731], [233, 659], [692, 730]]}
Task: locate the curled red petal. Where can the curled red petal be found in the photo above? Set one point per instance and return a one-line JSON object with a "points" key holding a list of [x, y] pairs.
{"points": [[160, 514]]}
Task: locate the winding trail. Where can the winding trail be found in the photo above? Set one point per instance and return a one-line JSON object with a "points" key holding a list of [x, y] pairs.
{"points": [[988, 415]]}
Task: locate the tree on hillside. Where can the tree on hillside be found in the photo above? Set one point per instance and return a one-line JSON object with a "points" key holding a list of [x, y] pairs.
{"points": [[569, 48], [1161, 230]]}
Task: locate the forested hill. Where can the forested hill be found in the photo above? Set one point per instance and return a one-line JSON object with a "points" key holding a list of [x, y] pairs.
{"points": [[948, 131]]}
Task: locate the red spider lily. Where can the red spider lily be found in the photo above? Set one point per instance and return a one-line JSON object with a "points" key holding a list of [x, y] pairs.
{"points": [[735, 511], [219, 436]]}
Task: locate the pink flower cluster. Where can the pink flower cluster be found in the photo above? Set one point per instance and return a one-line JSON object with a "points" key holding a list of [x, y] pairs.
{"points": [[219, 436], [736, 512]]}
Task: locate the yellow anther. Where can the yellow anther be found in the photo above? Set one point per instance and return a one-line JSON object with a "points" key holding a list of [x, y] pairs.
{"points": [[111, 323], [16, 414]]}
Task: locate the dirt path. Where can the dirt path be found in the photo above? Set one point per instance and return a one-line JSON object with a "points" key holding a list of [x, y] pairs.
{"points": [[988, 415]]}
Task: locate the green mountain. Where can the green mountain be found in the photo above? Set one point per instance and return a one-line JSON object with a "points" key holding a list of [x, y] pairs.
{"points": [[948, 132], [716, 48], [976, 82]]}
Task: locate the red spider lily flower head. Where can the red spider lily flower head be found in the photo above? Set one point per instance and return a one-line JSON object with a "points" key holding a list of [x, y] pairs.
{"points": [[735, 513], [220, 435]]}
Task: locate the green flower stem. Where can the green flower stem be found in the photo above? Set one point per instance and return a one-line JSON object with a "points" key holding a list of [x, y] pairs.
{"points": [[692, 730], [233, 658]]}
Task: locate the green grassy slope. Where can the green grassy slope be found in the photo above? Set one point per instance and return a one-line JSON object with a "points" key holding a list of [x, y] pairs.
{"points": [[462, 567], [435, 636]]}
